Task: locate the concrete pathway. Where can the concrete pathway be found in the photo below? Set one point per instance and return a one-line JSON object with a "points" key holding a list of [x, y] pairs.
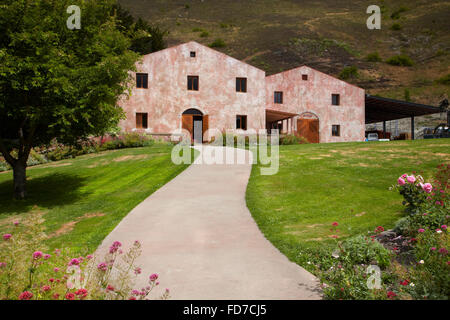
{"points": [[198, 235]]}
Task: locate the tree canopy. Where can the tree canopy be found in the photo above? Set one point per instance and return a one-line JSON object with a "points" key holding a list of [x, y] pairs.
{"points": [[56, 82]]}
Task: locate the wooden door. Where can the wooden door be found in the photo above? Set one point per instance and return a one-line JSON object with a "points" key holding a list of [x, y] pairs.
{"points": [[308, 128], [205, 127], [187, 123]]}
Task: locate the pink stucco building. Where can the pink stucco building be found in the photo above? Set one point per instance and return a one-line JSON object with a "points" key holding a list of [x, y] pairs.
{"points": [[196, 88]]}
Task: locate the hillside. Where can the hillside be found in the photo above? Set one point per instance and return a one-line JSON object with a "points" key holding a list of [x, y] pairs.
{"points": [[326, 35]]}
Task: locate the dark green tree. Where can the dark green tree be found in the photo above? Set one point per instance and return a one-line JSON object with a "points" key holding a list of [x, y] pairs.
{"points": [[56, 82]]}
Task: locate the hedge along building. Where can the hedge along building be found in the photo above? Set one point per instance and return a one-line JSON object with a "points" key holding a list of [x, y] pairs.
{"points": [[193, 87]]}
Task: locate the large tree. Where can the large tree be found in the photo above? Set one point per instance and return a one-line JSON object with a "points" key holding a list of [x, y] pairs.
{"points": [[56, 82]]}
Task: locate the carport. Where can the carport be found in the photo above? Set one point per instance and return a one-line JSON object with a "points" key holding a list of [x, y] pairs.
{"points": [[379, 109]]}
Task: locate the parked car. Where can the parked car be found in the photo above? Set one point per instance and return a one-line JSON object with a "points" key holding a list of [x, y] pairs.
{"points": [[441, 131], [372, 137]]}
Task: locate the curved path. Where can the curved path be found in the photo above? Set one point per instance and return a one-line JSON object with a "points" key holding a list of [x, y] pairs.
{"points": [[198, 235]]}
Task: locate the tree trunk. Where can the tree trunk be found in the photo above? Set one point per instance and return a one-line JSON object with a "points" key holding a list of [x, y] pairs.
{"points": [[20, 179]]}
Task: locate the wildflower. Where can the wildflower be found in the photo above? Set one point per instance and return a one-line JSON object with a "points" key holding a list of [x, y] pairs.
{"points": [[153, 277], [47, 256], [412, 284], [16, 223], [379, 229], [401, 181], [2, 264], [102, 266], [432, 248], [89, 257], [26, 295], [438, 230], [115, 246], [421, 230], [56, 269], [132, 298], [137, 243], [443, 251], [70, 296], [37, 255], [74, 262], [137, 270], [81, 293], [51, 280], [46, 288], [421, 262], [7, 236], [135, 292], [56, 296], [404, 175], [444, 226], [411, 179], [335, 224], [109, 288]]}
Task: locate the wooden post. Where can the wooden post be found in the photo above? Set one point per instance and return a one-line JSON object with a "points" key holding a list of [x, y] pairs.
{"points": [[412, 128], [384, 129]]}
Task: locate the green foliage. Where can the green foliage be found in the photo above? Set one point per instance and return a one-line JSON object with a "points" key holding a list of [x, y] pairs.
{"points": [[349, 72], [396, 14], [373, 57], [364, 250], [218, 43], [290, 139], [407, 95], [396, 26], [444, 79], [400, 60], [204, 34]]}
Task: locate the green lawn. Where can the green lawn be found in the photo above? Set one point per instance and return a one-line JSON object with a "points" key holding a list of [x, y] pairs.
{"points": [[83, 199], [318, 184]]}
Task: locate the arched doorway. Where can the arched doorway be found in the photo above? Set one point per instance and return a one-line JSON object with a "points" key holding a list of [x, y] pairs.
{"points": [[308, 127], [194, 121]]}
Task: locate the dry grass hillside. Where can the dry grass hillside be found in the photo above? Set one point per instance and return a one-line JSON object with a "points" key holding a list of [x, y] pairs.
{"points": [[326, 35]]}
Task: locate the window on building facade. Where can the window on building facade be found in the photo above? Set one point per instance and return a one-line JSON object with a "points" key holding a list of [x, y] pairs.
{"points": [[241, 84], [241, 122], [304, 77], [278, 97], [141, 120], [142, 80], [336, 130], [192, 54], [335, 99], [192, 83]]}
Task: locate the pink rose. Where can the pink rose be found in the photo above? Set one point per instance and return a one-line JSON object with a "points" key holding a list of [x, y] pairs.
{"points": [[444, 226], [427, 187], [411, 179], [421, 230], [401, 181]]}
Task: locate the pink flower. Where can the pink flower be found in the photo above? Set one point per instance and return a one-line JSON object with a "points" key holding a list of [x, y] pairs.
{"points": [[81, 293], [109, 288], [153, 277], [132, 298], [335, 224], [391, 294], [411, 179], [135, 292], [7, 236], [401, 181], [137, 270], [2, 264], [102, 266], [432, 248], [16, 223], [89, 257], [421, 230], [427, 187], [444, 226], [74, 262], [46, 288], [114, 247], [404, 176], [443, 251], [47, 256], [51, 280], [56, 269], [37, 255], [26, 295], [56, 296]]}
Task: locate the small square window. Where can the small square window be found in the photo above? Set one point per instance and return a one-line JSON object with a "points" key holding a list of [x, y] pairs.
{"points": [[141, 120], [241, 122], [142, 80], [278, 97], [192, 54], [304, 77], [336, 130], [192, 83], [335, 99], [241, 84]]}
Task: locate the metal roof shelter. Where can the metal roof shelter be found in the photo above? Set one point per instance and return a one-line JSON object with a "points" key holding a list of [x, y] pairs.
{"points": [[379, 109]]}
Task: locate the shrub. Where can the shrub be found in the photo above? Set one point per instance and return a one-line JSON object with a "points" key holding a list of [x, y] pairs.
{"points": [[396, 27], [407, 95], [444, 80], [204, 34], [197, 30], [348, 72], [218, 43], [373, 57], [396, 14], [27, 272], [400, 60], [292, 139]]}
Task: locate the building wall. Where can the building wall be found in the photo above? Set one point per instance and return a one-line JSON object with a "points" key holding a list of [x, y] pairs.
{"points": [[167, 96], [314, 95]]}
